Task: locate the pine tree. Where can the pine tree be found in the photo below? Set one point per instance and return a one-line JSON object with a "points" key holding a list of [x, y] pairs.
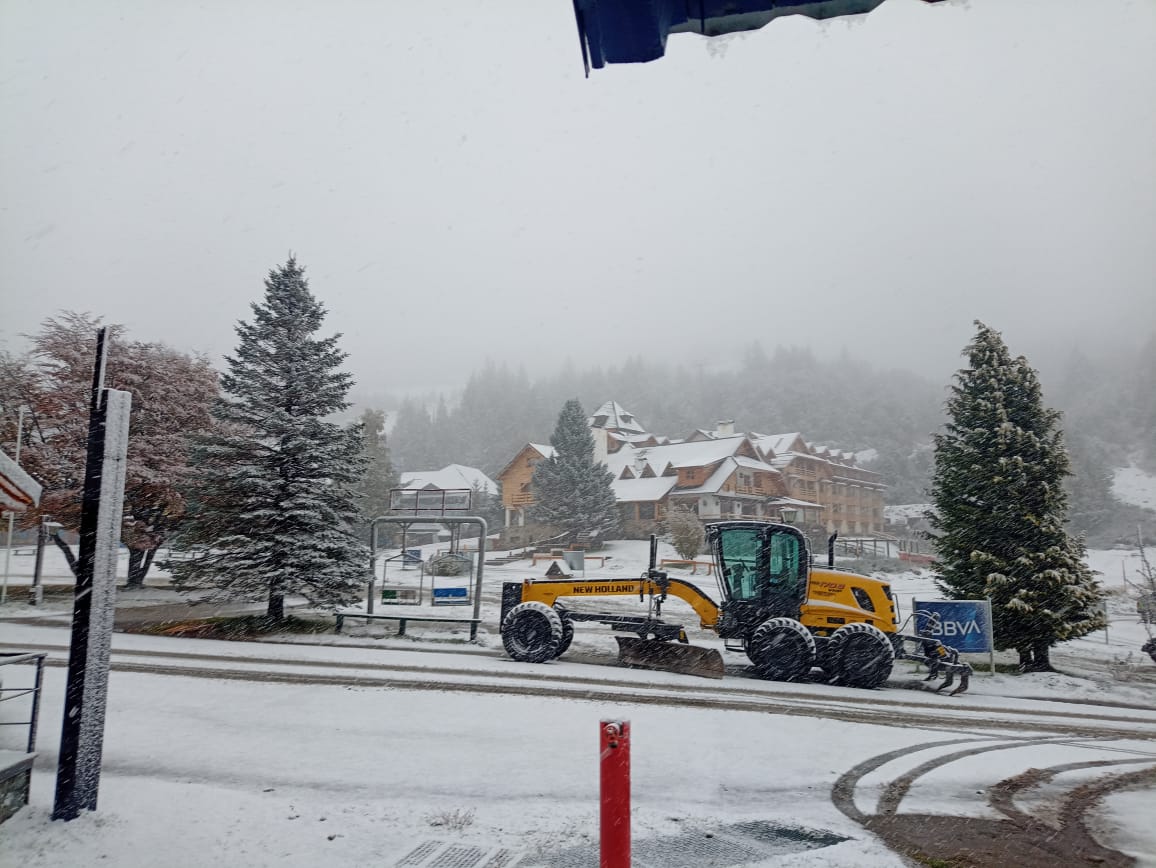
{"points": [[274, 511], [571, 490], [488, 506], [1000, 507], [379, 479]]}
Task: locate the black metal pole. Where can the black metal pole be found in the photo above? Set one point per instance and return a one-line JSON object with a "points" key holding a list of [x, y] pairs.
{"points": [[72, 794], [37, 596]]}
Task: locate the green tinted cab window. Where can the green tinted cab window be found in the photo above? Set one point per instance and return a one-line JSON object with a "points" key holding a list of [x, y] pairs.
{"points": [[742, 567], [740, 552], [784, 559]]}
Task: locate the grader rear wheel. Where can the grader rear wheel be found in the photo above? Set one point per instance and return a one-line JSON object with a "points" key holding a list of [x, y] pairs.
{"points": [[781, 649], [532, 633], [567, 629], [860, 655]]}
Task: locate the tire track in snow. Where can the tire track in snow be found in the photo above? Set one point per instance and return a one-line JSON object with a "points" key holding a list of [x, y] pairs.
{"points": [[868, 709], [1019, 838]]}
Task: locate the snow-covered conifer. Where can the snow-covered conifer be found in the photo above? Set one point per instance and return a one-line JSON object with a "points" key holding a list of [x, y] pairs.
{"points": [[373, 489], [571, 490], [1000, 507], [274, 508]]}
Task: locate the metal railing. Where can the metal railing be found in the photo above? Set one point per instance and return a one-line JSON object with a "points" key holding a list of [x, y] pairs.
{"points": [[7, 694]]}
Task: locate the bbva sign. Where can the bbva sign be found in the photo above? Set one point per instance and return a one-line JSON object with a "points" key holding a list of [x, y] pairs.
{"points": [[965, 625]]}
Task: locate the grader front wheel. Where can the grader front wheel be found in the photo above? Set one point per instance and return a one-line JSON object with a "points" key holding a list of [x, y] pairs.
{"points": [[781, 649], [532, 633]]}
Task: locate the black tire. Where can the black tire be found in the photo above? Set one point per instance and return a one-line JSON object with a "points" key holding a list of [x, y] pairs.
{"points": [[781, 649], [532, 633], [567, 629], [860, 655]]}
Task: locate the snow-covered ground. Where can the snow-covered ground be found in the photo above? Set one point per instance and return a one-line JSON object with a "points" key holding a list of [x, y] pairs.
{"points": [[1133, 485], [904, 511], [206, 767], [370, 744], [217, 771]]}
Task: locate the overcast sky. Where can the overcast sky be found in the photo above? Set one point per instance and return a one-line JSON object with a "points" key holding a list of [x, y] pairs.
{"points": [[457, 190]]}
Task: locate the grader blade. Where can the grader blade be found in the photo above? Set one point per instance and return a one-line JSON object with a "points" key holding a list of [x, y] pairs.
{"points": [[669, 657]]}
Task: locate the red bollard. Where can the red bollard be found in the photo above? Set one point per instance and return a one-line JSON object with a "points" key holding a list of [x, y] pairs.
{"points": [[615, 816]]}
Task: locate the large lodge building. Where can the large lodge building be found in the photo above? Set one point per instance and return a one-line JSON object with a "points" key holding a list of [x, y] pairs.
{"points": [[718, 474]]}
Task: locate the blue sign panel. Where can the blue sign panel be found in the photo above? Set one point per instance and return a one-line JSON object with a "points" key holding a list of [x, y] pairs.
{"points": [[964, 625]]}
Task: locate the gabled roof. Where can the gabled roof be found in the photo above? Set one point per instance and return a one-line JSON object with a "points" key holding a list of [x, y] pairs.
{"points": [[634, 439], [754, 464], [660, 459], [693, 454], [540, 449], [714, 483], [778, 443], [545, 451], [450, 476], [725, 470], [614, 417]]}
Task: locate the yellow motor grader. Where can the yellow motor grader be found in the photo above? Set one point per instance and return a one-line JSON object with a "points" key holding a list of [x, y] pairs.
{"points": [[786, 615]]}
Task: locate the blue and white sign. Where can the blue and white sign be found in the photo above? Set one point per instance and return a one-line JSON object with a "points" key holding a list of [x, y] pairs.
{"points": [[964, 625]]}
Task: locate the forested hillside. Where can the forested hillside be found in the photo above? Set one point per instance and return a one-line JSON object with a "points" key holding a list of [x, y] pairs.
{"points": [[1109, 412]]}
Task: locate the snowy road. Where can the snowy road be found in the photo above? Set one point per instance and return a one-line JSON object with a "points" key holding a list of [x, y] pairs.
{"points": [[492, 673], [218, 751]]}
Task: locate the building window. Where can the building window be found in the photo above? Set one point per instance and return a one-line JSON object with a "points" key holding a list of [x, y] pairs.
{"points": [[646, 511]]}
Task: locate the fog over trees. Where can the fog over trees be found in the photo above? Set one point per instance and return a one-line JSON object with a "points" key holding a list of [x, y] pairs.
{"points": [[1109, 408]]}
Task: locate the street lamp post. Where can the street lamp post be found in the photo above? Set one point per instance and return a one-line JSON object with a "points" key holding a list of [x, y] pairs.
{"points": [[37, 596]]}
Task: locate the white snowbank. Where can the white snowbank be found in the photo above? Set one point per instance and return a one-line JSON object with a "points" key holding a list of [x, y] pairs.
{"points": [[1133, 485]]}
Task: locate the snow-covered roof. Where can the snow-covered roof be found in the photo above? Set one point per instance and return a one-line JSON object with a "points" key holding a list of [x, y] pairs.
{"points": [[18, 490], [614, 416], [790, 501], [627, 456], [450, 476], [632, 438], [541, 449], [776, 443], [753, 464], [644, 490], [696, 454], [721, 474], [724, 472]]}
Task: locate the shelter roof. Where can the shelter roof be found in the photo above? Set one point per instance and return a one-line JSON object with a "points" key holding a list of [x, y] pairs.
{"points": [[18, 490], [450, 476]]}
